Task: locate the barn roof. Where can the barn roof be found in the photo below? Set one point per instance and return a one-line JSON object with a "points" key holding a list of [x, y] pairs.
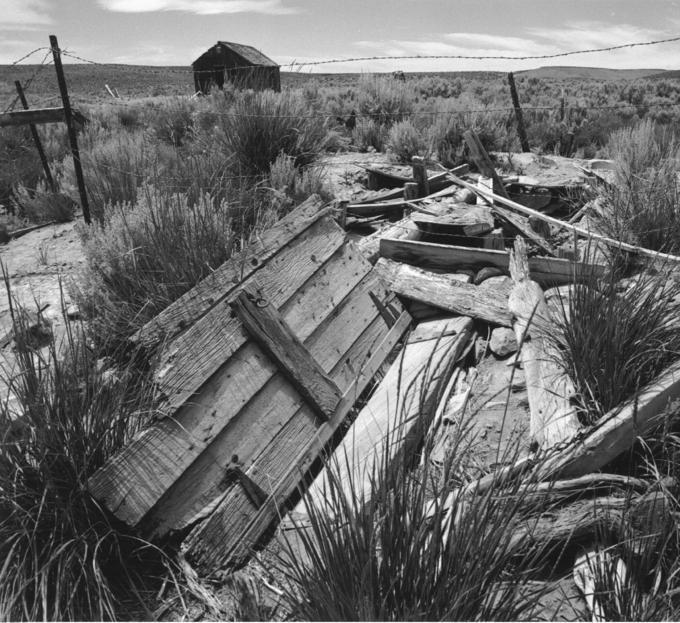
{"points": [[247, 52]]}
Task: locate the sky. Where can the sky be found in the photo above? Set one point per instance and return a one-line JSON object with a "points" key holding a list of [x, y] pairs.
{"points": [[176, 32]]}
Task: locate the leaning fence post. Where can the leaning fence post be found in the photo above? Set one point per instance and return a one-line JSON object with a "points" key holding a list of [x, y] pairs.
{"points": [[518, 114], [36, 138], [68, 117]]}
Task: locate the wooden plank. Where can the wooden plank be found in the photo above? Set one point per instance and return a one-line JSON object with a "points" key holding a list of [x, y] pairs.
{"points": [[398, 413], [341, 345], [32, 116], [236, 526], [588, 235], [449, 294], [544, 270], [616, 431], [553, 418], [266, 326], [224, 280], [482, 160], [187, 362], [131, 483]]}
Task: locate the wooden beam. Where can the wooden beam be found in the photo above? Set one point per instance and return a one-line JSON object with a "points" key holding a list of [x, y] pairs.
{"points": [[553, 419], [445, 292], [483, 162], [266, 326], [32, 116], [544, 270], [588, 235]]}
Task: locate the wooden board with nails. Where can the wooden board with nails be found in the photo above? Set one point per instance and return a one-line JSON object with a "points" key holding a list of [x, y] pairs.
{"points": [[238, 409]]}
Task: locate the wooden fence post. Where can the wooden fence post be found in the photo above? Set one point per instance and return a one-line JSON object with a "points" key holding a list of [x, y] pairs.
{"points": [[68, 116], [518, 114], [36, 138], [420, 176]]}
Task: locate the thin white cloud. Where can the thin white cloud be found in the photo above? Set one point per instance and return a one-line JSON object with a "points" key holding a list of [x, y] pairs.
{"points": [[24, 14], [199, 7], [569, 37]]}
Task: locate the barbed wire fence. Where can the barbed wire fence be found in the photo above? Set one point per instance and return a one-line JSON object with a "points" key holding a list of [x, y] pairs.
{"points": [[328, 115]]}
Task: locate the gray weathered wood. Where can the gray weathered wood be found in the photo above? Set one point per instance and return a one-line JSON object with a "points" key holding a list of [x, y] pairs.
{"points": [[553, 418], [236, 525], [256, 403], [266, 326], [445, 293], [32, 116], [521, 131], [544, 270]]}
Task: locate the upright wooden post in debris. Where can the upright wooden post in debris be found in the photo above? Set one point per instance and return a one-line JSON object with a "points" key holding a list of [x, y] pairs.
{"points": [[68, 116], [518, 114], [562, 106], [420, 176], [36, 137]]}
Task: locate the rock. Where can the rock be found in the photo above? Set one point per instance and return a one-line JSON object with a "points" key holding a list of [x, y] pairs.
{"points": [[503, 342], [73, 312], [486, 273]]}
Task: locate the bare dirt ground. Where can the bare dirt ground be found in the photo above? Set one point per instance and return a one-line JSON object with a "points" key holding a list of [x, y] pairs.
{"points": [[39, 266]]}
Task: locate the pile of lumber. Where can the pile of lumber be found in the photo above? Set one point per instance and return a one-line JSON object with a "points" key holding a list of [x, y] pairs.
{"points": [[262, 363]]}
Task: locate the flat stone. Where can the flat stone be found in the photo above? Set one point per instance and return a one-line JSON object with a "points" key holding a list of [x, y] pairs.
{"points": [[486, 273], [503, 342]]}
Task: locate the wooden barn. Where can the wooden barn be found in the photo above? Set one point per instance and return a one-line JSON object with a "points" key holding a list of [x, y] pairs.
{"points": [[240, 64]]}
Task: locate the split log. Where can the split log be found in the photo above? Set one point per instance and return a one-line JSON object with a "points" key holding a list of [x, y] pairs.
{"points": [[446, 293], [553, 418], [396, 417], [544, 270]]}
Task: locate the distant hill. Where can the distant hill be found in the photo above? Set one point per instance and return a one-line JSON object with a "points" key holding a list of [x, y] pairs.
{"points": [[666, 75], [589, 73]]}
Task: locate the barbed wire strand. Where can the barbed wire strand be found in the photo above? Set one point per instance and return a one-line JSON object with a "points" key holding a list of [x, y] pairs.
{"points": [[404, 57], [27, 85]]}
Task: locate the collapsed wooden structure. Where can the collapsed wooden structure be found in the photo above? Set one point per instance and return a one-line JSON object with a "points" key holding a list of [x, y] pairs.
{"points": [[260, 365]]}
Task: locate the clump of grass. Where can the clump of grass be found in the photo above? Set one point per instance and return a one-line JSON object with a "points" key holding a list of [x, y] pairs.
{"points": [[145, 256], [446, 140], [642, 207], [115, 164], [173, 123], [369, 134], [290, 186], [395, 552], [384, 100], [615, 337], [63, 557], [405, 141], [262, 124], [44, 205]]}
